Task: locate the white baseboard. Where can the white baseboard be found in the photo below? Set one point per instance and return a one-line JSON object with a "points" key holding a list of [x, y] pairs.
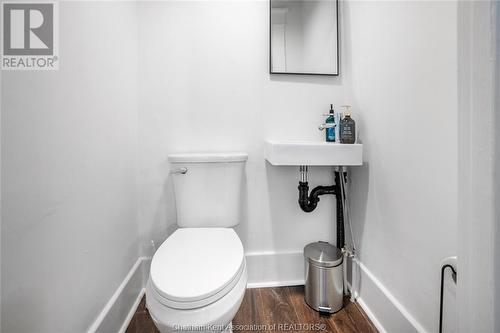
{"points": [[378, 325], [265, 269], [384, 310], [117, 313], [270, 269], [132, 310]]}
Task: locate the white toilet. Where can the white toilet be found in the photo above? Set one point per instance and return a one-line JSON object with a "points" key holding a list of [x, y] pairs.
{"points": [[198, 275]]}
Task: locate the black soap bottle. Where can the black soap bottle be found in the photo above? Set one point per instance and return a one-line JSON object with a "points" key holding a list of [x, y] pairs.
{"points": [[347, 127]]}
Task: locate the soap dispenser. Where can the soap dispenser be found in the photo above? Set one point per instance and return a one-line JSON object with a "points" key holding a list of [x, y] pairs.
{"points": [[330, 126], [347, 127]]}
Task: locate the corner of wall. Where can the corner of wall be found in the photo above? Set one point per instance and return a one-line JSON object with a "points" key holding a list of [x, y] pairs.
{"points": [[119, 310], [381, 306]]}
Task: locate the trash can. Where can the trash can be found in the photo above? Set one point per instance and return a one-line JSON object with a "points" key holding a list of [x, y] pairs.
{"points": [[324, 284]]}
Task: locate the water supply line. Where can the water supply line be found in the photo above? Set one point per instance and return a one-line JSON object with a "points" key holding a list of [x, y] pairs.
{"points": [[345, 200], [451, 263], [348, 253]]}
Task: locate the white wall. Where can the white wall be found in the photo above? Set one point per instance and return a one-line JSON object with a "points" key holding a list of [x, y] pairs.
{"points": [[496, 240], [204, 85], [69, 229], [478, 167], [402, 57]]}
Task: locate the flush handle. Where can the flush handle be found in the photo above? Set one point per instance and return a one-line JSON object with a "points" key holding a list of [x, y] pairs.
{"points": [[181, 171]]}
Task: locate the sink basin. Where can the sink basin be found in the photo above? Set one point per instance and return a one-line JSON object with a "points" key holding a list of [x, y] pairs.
{"points": [[313, 153]]}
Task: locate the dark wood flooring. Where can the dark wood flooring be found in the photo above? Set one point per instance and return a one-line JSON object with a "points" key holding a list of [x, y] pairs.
{"points": [[141, 321], [278, 309]]}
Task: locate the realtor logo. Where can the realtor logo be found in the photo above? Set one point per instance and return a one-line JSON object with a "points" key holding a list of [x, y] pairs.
{"points": [[29, 40]]}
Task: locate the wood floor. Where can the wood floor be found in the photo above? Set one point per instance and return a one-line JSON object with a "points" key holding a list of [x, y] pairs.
{"points": [[141, 321], [278, 309]]}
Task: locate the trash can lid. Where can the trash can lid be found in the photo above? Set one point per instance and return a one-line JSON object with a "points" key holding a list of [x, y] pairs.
{"points": [[323, 254]]}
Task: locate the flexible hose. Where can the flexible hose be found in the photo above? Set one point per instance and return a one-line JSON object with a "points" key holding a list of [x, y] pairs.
{"points": [[354, 277], [346, 253], [347, 218], [344, 269], [346, 210], [441, 293]]}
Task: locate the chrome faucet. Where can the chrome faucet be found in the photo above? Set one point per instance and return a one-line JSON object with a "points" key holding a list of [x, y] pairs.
{"points": [[325, 126]]}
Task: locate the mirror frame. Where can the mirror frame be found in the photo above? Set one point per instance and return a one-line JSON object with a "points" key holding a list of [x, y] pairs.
{"points": [[305, 73]]}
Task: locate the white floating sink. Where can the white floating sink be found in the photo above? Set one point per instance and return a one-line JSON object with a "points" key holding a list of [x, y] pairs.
{"points": [[313, 153]]}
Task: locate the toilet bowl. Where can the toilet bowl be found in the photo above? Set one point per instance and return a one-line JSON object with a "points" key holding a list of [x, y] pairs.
{"points": [[198, 276], [197, 280]]}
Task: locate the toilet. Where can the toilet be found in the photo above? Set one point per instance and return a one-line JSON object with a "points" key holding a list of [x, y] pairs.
{"points": [[198, 276]]}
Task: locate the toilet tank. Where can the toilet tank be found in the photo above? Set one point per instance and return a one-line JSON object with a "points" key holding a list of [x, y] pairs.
{"points": [[209, 193]]}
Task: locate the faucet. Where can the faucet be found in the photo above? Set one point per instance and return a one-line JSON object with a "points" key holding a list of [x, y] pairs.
{"points": [[326, 125]]}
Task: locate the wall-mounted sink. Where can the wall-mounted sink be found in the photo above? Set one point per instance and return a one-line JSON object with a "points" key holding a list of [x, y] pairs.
{"points": [[313, 153]]}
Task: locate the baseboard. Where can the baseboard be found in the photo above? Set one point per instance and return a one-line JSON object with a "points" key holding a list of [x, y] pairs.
{"points": [[378, 325], [119, 310], [132, 310], [270, 269], [265, 269], [383, 309]]}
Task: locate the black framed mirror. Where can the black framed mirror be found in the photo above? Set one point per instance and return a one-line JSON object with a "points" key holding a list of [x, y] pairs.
{"points": [[304, 37]]}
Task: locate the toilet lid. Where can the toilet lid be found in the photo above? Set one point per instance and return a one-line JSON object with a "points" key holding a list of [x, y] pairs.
{"points": [[194, 264]]}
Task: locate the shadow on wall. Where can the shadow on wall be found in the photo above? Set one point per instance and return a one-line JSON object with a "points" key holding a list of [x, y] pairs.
{"points": [[312, 79], [358, 201], [242, 227], [165, 218], [281, 183]]}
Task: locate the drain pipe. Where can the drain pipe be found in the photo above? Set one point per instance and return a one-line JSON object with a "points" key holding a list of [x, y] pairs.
{"points": [[339, 177], [309, 202]]}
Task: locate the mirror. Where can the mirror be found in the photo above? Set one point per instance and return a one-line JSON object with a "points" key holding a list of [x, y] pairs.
{"points": [[304, 37]]}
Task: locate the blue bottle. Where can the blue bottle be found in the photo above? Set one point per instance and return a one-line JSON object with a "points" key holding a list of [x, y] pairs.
{"points": [[330, 131]]}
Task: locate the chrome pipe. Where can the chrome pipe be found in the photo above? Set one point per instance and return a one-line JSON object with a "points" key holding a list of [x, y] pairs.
{"points": [[303, 173]]}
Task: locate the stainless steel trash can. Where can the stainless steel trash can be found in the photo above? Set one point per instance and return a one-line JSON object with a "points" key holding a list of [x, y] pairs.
{"points": [[324, 284]]}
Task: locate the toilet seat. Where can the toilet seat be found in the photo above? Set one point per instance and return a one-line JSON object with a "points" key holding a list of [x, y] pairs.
{"points": [[196, 266]]}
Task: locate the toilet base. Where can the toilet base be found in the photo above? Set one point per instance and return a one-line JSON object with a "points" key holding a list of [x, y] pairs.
{"points": [[229, 328], [215, 315]]}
